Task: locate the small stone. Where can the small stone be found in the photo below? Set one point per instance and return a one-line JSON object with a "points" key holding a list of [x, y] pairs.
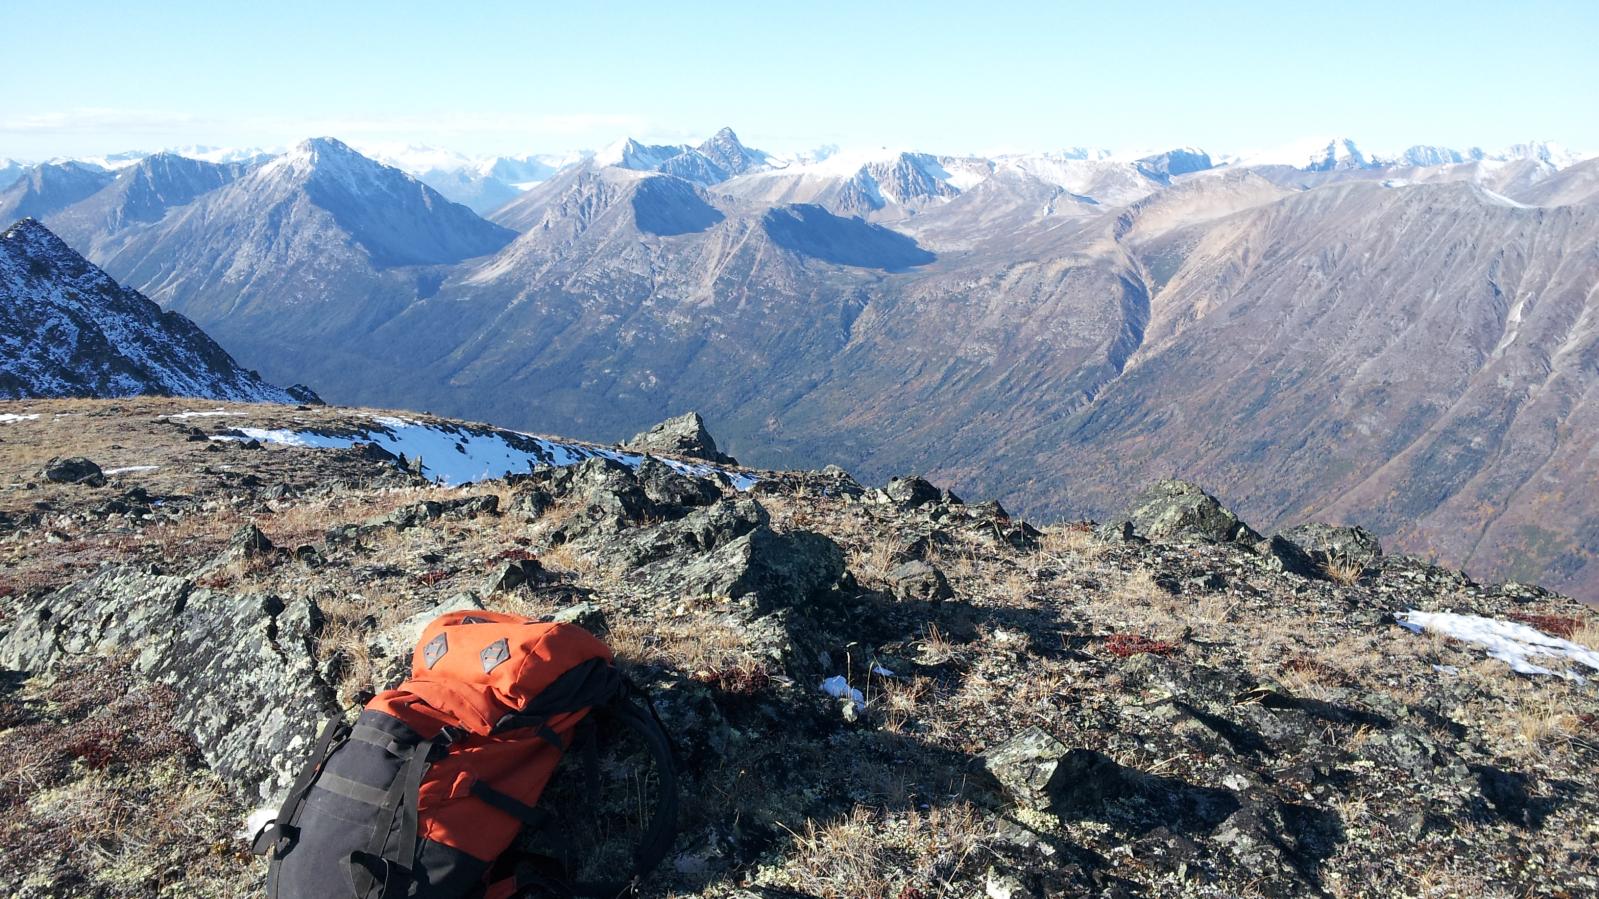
{"points": [[919, 580], [515, 573], [249, 542], [1000, 885], [1027, 766], [585, 615]]}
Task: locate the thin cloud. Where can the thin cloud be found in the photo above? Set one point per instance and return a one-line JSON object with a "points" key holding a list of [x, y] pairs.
{"points": [[93, 120]]}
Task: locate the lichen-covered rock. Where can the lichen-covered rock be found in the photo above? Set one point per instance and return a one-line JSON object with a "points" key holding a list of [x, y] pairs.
{"points": [[918, 580], [768, 569], [1326, 544], [1028, 766], [1178, 511], [684, 435], [585, 615], [242, 666]]}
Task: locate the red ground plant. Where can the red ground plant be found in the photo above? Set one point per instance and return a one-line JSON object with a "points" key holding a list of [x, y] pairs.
{"points": [[1124, 645]]}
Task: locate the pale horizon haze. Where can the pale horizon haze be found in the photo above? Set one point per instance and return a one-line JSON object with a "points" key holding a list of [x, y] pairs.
{"points": [[489, 78]]}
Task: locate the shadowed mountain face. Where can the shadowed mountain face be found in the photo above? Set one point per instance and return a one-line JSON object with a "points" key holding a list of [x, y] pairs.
{"points": [[44, 189], [813, 231], [1401, 344]]}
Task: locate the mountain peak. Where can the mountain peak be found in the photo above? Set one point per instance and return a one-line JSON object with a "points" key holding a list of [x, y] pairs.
{"points": [[39, 240]]}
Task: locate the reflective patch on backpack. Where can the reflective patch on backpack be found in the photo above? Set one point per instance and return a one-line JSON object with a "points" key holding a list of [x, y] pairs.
{"points": [[495, 654], [435, 650]]}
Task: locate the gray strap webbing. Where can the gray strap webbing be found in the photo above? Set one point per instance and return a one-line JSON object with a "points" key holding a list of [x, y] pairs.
{"points": [[370, 735], [366, 794]]}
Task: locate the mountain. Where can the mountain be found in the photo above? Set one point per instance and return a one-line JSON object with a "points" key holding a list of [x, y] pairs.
{"points": [[1038, 327], [68, 330], [721, 157], [48, 187], [319, 244], [141, 193], [10, 171]]}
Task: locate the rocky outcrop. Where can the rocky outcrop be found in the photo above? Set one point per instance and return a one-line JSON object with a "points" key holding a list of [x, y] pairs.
{"points": [[1174, 511], [684, 435], [242, 666], [1326, 544]]}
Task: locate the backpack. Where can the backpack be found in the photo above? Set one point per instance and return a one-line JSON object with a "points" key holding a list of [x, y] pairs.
{"points": [[425, 793]]}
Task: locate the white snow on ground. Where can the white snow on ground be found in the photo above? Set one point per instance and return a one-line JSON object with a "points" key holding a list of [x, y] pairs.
{"points": [[8, 417], [212, 414], [839, 688], [454, 456], [1514, 644], [129, 468]]}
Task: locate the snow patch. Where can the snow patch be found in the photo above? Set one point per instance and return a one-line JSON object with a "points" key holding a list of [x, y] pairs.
{"points": [[8, 417], [1514, 644], [126, 469], [454, 455], [212, 414]]}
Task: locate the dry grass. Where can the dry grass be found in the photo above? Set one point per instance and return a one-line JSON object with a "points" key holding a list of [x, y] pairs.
{"points": [[1344, 571], [870, 853]]}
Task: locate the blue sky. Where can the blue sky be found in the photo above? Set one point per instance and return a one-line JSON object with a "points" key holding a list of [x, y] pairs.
{"points": [[486, 77]]}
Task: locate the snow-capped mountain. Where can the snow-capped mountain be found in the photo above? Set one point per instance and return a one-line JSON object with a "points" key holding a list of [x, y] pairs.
{"points": [[10, 171], [48, 187], [142, 193], [68, 330]]}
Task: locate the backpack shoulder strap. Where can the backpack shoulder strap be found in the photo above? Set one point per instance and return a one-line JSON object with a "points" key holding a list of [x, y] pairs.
{"points": [[662, 830], [383, 869], [280, 836]]}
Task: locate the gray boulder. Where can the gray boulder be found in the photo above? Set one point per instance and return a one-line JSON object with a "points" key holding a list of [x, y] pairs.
{"points": [[73, 470], [1328, 543], [684, 435], [918, 580], [667, 487], [700, 531], [585, 615], [1177, 512], [770, 570]]}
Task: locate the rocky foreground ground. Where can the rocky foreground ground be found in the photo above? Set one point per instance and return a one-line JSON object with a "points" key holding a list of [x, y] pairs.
{"points": [[875, 692]]}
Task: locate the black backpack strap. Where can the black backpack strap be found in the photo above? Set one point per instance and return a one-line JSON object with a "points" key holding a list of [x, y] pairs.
{"points": [[531, 818], [383, 869], [277, 839], [662, 830]]}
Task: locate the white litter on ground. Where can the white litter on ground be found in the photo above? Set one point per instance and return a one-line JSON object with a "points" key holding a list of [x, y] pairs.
{"points": [[1514, 644], [129, 468], [212, 414], [839, 688], [8, 417], [257, 822], [454, 455]]}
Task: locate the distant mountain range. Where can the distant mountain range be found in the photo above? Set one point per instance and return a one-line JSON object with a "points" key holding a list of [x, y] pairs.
{"points": [[1408, 341], [68, 330], [483, 183]]}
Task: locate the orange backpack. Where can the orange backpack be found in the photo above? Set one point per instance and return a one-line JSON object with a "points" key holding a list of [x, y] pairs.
{"points": [[430, 787]]}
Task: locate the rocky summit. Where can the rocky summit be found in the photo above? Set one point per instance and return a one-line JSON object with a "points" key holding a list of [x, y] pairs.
{"points": [[873, 691]]}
